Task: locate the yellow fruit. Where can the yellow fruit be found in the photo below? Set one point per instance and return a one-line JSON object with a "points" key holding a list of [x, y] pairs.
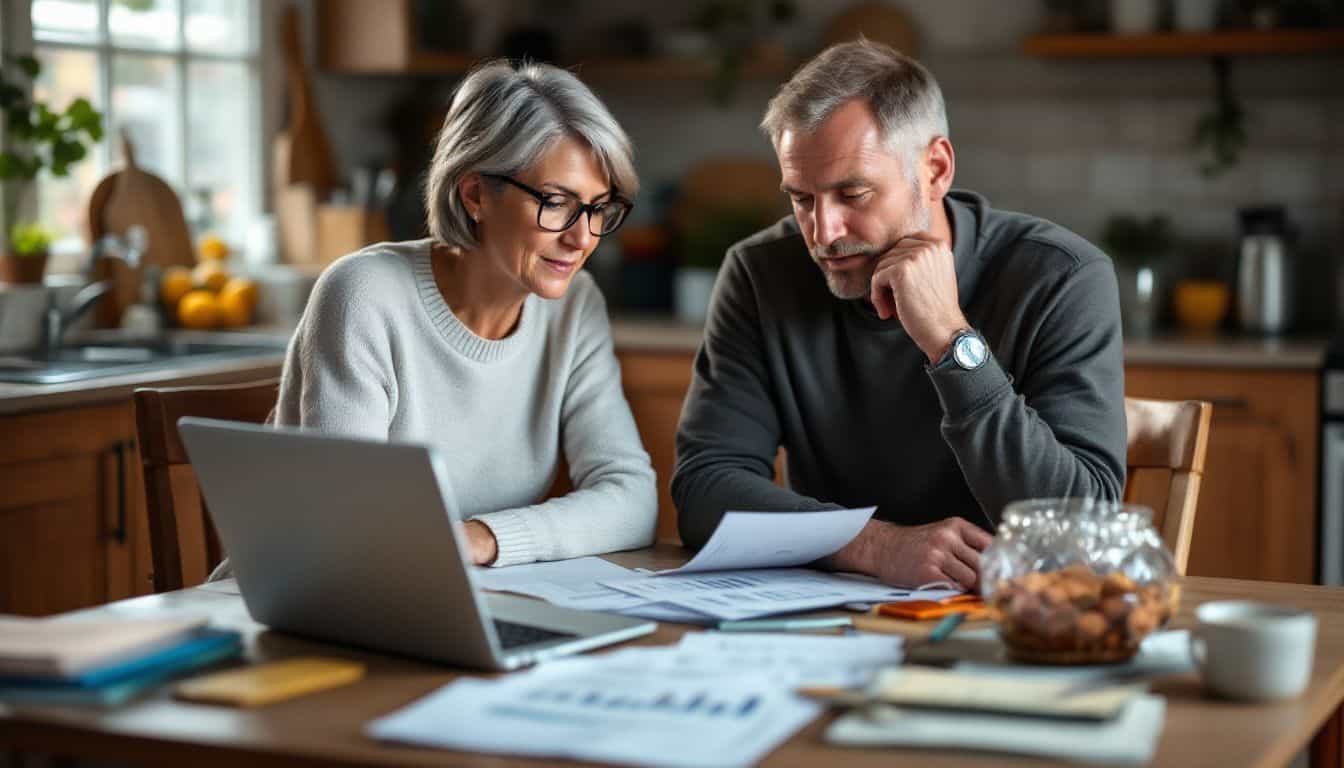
{"points": [[213, 248], [242, 287], [234, 308], [198, 309], [176, 282], [210, 275]]}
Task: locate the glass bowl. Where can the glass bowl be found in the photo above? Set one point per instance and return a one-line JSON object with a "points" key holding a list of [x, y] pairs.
{"points": [[1078, 580]]}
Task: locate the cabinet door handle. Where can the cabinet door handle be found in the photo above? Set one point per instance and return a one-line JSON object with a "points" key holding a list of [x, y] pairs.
{"points": [[119, 531]]}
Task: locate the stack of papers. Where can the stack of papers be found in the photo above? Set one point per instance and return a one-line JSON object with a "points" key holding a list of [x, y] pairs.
{"points": [[746, 570], [1129, 739], [1114, 723], [714, 699], [101, 662]]}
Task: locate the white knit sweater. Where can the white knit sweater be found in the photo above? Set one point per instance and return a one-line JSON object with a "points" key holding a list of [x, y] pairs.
{"points": [[379, 354]]}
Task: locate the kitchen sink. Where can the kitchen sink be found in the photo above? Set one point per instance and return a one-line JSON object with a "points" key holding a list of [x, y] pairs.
{"points": [[115, 357]]}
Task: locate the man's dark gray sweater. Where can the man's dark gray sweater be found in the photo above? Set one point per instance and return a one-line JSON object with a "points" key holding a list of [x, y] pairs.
{"points": [[862, 416]]}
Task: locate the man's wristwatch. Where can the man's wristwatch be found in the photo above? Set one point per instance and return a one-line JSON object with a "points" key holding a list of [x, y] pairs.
{"points": [[968, 350]]}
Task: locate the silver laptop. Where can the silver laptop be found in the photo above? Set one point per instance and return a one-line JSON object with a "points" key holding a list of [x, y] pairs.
{"points": [[350, 540]]}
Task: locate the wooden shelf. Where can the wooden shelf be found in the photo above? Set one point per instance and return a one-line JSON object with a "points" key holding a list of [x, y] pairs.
{"points": [[1226, 43]]}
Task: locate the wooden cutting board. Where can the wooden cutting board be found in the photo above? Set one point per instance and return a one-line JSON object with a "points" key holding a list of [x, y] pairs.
{"points": [[302, 171], [131, 197], [876, 21], [309, 151]]}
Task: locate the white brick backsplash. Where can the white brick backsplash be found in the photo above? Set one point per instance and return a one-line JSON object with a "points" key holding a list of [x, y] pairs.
{"points": [[998, 174], [1285, 123], [1292, 177], [1334, 177], [1056, 172], [1133, 124], [1122, 179], [1176, 120], [1177, 178]]}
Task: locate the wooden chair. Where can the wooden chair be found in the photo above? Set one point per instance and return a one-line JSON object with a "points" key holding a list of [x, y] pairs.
{"points": [[1168, 440], [185, 547]]}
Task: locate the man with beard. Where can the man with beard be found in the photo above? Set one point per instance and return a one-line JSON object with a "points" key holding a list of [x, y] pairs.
{"points": [[935, 356]]}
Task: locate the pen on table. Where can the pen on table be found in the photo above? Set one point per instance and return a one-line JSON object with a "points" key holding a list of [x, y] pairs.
{"points": [[786, 625], [946, 627]]}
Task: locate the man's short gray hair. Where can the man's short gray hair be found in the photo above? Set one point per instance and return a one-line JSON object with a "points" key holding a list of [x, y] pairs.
{"points": [[903, 95], [502, 119]]}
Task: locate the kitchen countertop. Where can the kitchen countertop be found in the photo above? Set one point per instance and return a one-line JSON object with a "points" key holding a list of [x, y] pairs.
{"points": [[659, 334], [648, 334], [22, 398]]}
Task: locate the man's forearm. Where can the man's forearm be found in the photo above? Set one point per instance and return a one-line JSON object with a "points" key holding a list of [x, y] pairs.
{"points": [[863, 553]]}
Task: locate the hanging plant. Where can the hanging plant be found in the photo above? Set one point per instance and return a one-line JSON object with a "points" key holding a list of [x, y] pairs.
{"points": [[1220, 135]]}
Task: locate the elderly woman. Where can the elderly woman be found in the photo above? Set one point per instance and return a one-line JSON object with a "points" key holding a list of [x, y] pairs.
{"points": [[486, 340]]}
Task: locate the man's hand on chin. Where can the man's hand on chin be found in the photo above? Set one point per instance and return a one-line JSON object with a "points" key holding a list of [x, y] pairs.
{"points": [[915, 282], [910, 556]]}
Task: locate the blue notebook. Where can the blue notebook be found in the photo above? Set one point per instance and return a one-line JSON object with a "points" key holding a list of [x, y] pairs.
{"points": [[117, 683]]}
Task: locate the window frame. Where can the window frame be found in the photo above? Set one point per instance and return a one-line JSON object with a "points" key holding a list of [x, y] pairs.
{"points": [[182, 57]]}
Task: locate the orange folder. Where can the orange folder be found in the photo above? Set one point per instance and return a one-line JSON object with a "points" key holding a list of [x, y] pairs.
{"points": [[925, 610]]}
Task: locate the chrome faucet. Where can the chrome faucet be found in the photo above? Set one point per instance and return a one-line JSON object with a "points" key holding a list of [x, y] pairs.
{"points": [[58, 320], [130, 249]]}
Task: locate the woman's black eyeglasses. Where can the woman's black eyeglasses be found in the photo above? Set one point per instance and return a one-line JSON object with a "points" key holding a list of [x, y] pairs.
{"points": [[557, 211]]}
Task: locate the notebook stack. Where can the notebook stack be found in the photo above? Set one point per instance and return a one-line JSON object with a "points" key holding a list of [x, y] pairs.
{"points": [[61, 661]]}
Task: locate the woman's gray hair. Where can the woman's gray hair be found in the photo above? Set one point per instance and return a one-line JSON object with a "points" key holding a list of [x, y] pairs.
{"points": [[502, 119], [903, 94]]}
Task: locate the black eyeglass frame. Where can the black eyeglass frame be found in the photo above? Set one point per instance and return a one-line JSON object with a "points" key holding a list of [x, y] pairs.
{"points": [[583, 208]]}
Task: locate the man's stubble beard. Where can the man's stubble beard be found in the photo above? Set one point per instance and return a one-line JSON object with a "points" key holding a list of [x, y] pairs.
{"points": [[858, 284]]}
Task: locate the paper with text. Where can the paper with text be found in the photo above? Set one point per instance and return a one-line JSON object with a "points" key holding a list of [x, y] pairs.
{"points": [[616, 708], [776, 539]]}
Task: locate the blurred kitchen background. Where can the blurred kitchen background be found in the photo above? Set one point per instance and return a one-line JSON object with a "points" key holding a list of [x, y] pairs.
{"points": [[1094, 114], [176, 174]]}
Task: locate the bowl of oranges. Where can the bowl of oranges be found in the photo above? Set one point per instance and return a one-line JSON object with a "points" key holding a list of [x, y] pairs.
{"points": [[208, 296]]}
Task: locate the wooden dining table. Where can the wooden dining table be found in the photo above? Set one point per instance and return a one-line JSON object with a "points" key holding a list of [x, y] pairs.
{"points": [[328, 728]]}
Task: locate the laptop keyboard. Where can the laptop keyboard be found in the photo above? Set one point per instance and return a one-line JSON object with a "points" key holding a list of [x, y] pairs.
{"points": [[513, 635]]}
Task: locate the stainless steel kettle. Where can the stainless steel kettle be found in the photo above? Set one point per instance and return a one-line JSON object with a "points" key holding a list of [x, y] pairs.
{"points": [[1264, 271]]}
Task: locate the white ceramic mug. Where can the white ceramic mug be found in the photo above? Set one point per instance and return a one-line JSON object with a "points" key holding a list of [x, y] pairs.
{"points": [[1253, 651]]}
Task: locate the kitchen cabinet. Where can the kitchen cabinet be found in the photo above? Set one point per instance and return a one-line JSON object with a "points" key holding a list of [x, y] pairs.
{"points": [[655, 385], [379, 37], [1256, 517], [72, 519]]}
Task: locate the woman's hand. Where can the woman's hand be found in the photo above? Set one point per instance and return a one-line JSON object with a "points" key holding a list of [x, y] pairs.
{"points": [[481, 542]]}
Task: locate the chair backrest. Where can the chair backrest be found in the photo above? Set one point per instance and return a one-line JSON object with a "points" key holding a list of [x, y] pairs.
{"points": [[183, 543], [1168, 440]]}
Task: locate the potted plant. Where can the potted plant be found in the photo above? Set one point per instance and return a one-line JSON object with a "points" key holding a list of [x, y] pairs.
{"points": [[737, 29], [705, 239], [36, 138], [1138, 247]]}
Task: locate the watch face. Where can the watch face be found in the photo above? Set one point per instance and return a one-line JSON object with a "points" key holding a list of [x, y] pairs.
{"points": [[970, 351]]}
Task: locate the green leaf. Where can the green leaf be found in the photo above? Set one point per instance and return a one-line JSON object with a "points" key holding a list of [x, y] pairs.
{"points": [[30, 65], [10, 94], [66, 151]]}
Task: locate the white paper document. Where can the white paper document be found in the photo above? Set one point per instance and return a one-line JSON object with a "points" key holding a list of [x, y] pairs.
{"points": [[776, 539], [734, 595], [847, 661], [575, 584], [615, 709], [223, 586]]}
